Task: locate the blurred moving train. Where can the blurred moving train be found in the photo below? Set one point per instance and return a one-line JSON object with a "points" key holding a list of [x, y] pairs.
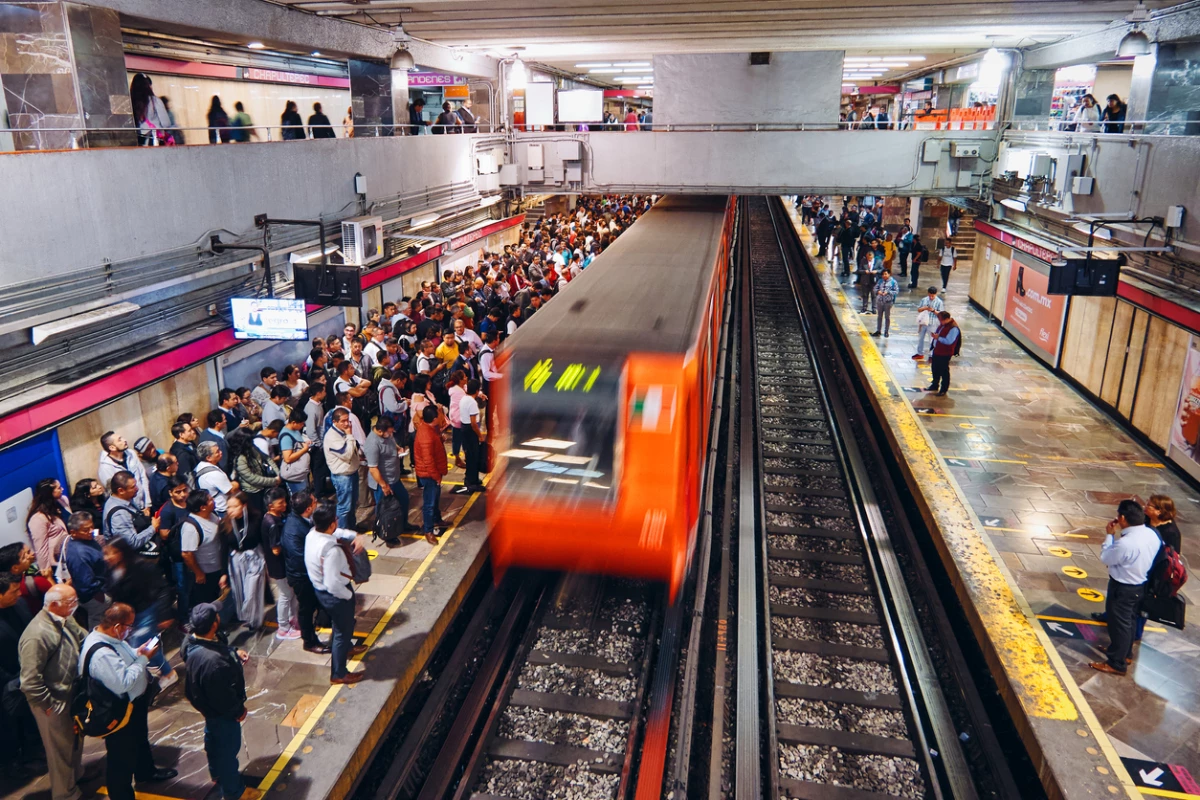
{"points": [[603, 412]]}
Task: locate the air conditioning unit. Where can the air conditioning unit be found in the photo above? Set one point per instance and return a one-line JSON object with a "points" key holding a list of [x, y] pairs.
{"points": [[362, 240]]}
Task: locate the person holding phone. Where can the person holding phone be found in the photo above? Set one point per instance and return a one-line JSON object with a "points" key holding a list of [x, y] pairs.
{"points": [[216, 687], [124, 671]]}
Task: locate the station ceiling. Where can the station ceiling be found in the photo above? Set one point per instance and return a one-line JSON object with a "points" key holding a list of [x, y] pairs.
{"points": [[564, 33]]}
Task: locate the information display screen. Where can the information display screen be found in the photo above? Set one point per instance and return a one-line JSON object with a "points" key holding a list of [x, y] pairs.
{"points": [[580, 105], [268, 318]]}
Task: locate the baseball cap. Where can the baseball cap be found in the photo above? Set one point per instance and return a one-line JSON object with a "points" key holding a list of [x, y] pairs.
{"points": [[203, 616], [142, 443]]}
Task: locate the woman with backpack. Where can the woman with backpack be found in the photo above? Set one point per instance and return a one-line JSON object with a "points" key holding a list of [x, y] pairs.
{"points": [[255, 470], [218, 123], [1160, 515]]}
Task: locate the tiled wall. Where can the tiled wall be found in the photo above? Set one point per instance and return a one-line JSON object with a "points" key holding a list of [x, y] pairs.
{"points": [[100, 73], [371, 96], [62, 66]]}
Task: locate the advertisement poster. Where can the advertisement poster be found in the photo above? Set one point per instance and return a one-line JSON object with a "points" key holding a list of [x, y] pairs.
{"points": [[1030, 314], [1185, 430]]}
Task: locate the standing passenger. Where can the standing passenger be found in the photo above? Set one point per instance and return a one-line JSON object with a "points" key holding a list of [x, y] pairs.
{"points": [[946, 344], [291, 123], [1128, 552], [319, 126]]}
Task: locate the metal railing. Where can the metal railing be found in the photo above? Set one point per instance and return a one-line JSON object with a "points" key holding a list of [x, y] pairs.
{"points": [[1158, 127]]}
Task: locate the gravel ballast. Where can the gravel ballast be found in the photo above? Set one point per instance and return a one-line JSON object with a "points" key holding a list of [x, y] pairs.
{"points": [[836, 673], [900, 777], [825, 630], [556, 727], [521, 779], [838, 717]]}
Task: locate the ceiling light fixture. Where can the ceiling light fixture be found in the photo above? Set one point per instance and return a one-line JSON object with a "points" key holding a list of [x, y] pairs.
{"points": [[517, 75], [903, 58], [639, 79], [596, 64], [647, 86], [631, 63], [1135, 42], [606, 71], [256, 45], [402, 61]]}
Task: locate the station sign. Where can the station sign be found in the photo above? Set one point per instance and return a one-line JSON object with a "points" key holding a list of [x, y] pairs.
{"points": [[433, 79]]}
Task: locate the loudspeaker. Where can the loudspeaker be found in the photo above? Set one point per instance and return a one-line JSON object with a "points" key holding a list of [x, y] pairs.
{"points": [[328, 286]]}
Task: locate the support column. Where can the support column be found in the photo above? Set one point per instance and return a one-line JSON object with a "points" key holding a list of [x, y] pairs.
{"points": [[400, 100], [371, 98], [62, 65], [1138, 102]]}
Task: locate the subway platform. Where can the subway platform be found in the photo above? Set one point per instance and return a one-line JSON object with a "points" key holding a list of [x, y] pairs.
{"points": [[302, 737], [1019, 474]]}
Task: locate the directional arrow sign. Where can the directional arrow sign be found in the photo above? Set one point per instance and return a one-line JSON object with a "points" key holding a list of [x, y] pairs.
{"points": [[992, 522], [1061, 552], [927, 411], [1151, 778], [1166, 778], [1090, 595], [1060, 630], [1074, 572], [958, 462]]}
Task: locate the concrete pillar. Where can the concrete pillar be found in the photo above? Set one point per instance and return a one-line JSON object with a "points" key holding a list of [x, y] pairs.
{"points": [[62, 65], [400, 99], [1138, 102], [914, 213], [371, 98]]}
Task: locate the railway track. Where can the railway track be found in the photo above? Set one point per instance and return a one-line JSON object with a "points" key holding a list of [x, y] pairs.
{"points": [[832, 672], [556, 706]]}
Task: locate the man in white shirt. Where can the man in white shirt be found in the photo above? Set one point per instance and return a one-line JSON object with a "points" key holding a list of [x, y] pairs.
{"points": [[211, 478], [472, 438], [1128, 551], [949, 261], [376, 349], [261, 394], [463, 334], [331, 577]]}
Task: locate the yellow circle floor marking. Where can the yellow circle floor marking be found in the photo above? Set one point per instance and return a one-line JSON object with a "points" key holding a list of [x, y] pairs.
{"points": [[966, 426], [1061, 552], [372, 555], [1090, 595], [1074, 572]]}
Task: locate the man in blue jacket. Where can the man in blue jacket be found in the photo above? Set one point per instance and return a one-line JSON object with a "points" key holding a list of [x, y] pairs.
{"points": [[216, 687], [295, 531], [84, 559]]}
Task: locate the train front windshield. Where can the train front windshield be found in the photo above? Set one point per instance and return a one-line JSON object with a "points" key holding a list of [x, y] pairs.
{"points": [[563, 438]]}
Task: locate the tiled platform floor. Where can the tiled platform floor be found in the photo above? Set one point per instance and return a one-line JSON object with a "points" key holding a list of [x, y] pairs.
{"points": [[285, 684], [1043, 469]]}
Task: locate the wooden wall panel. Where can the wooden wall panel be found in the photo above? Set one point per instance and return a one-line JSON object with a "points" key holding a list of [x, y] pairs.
{"points": [[1118, 344], [150, 412], [983, 276], [1158, 392], [1085, 346], [1133, 362]]}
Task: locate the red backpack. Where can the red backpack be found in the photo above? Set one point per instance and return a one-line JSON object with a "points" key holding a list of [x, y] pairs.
{"points": [[1168, 573]]}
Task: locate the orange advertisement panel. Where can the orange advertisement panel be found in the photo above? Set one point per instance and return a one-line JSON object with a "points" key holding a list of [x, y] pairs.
{"points": [[1031, 314]]}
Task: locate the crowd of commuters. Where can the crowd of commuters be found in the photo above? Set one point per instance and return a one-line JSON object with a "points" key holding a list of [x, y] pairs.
{"points": [[858, 236], [258, 499]]}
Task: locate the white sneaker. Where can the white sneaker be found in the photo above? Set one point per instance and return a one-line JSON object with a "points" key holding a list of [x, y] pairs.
{"points": [[168, 680], [287, 634]]}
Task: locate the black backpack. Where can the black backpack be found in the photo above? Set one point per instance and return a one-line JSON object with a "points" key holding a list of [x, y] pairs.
{"points": [[140, 523], [96, 710], [389, 521]]}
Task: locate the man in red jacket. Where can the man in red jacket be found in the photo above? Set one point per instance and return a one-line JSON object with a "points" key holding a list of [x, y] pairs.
{"points": [[430, 464], [946, 343]]}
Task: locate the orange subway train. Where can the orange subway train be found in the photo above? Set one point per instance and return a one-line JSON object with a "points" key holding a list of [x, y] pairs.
{"points": [[603, 413]]}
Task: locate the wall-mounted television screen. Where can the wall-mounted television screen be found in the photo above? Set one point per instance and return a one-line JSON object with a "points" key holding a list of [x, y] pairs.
{"points": [[268, 318]]}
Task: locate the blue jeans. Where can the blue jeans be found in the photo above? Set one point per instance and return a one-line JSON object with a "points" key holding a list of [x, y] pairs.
{"points": [[341, 616], [222, 741], [431, 492], [296, 486], [346, 487], [401, 495], [183, 587], [456, 440], [145, 626]]}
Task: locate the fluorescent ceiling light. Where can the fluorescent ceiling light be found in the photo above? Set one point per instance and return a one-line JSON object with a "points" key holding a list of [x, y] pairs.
{"points": [[903, 58], [256, 45], [606, 71], [423, 220], [1015, 205], [640, 79], [647, 86], [631, 63], [595, 64], [859, 58], [1099, 233], [43, 332]]}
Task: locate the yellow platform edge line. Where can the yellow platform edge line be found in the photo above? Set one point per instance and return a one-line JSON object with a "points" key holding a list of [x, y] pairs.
{"points": [[319, 711], [883, 380], [1167, 793]]}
